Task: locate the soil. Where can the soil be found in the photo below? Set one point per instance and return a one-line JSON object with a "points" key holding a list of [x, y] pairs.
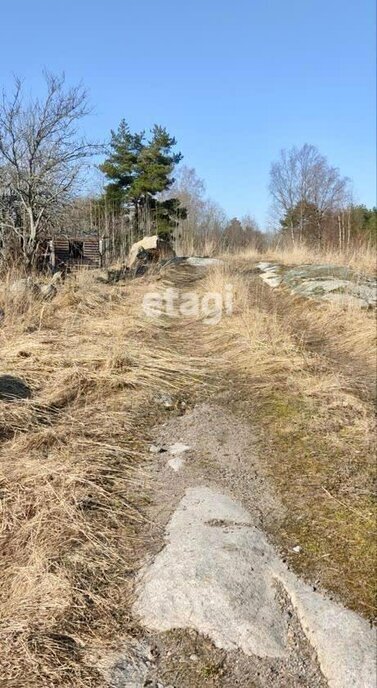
{"points": [[223, 454]]}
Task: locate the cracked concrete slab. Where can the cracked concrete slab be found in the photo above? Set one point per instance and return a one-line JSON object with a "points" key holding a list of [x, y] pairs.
{"points": [[345, 643], [218, 575], [210, 578]]}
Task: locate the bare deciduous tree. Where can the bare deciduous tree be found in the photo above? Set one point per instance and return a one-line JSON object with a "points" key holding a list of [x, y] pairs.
{"points": [[305, 189], [205, 221], [41, 156]]}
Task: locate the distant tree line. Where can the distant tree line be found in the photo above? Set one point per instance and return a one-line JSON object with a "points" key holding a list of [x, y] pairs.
{"points": [[44, 160], [206, 228], [313, 202]]}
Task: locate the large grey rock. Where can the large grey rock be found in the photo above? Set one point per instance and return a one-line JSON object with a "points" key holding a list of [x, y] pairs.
{"points": [[270, 273], [199, 262], [335, 283], [13, 388], [320, 287], [146, 243], [318, 271], [28, 287], [218, 575], [47, 291], [23, 287], [212, 577], [149, 247], [345, 300]]}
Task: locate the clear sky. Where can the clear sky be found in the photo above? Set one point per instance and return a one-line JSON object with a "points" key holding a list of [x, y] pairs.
{"points": [[233, 80]]}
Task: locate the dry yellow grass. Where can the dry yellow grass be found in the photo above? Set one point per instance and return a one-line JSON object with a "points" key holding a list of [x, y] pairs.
{"points": [[304, 374], [72, 481], [362, 259], [71, 484]]}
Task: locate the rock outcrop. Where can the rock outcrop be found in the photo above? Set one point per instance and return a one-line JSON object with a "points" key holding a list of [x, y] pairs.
{"points": [[335, 283], [150, 249]]}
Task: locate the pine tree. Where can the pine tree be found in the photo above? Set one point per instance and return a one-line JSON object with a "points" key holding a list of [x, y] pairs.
{"points": [[168, 213], [138, 170]]}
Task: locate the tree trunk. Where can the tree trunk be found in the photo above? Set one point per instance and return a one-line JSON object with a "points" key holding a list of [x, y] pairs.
{"points": [[292, 233], [340, 234], [319, 231], [348, 228], [30, 243], [135, 220]]}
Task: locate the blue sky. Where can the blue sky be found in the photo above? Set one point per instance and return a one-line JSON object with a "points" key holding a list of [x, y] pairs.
{"points": [[234, 81]]}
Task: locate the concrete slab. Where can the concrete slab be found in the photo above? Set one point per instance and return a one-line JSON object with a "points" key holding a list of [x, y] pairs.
{"points": [[218, 575], [344, 642], [212, 577]]}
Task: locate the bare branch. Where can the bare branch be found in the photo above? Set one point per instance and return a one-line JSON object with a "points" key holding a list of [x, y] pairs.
{"points": [[304, 189], [42, 153]]}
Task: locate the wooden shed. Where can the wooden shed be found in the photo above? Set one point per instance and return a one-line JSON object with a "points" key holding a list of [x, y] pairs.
{"points": [[86, 250]]}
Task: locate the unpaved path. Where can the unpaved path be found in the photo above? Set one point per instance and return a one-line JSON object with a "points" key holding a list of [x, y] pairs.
{"points": [[216, 604]]}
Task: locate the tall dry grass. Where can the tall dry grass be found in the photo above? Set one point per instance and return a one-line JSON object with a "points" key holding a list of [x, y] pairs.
{"points": [[198, 245], [73, 488], [72, 483], [362, 259], [303, 374]]}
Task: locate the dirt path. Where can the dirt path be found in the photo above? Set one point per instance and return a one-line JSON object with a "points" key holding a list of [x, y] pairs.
{"points": [[131, 565], [217, 605]]}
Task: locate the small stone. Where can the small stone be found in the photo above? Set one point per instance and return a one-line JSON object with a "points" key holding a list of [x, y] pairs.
{"points": [[178, 448], [194, 658], [156, 449], [47, 291], [176, 463], [297, 549], [165, 400]]}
